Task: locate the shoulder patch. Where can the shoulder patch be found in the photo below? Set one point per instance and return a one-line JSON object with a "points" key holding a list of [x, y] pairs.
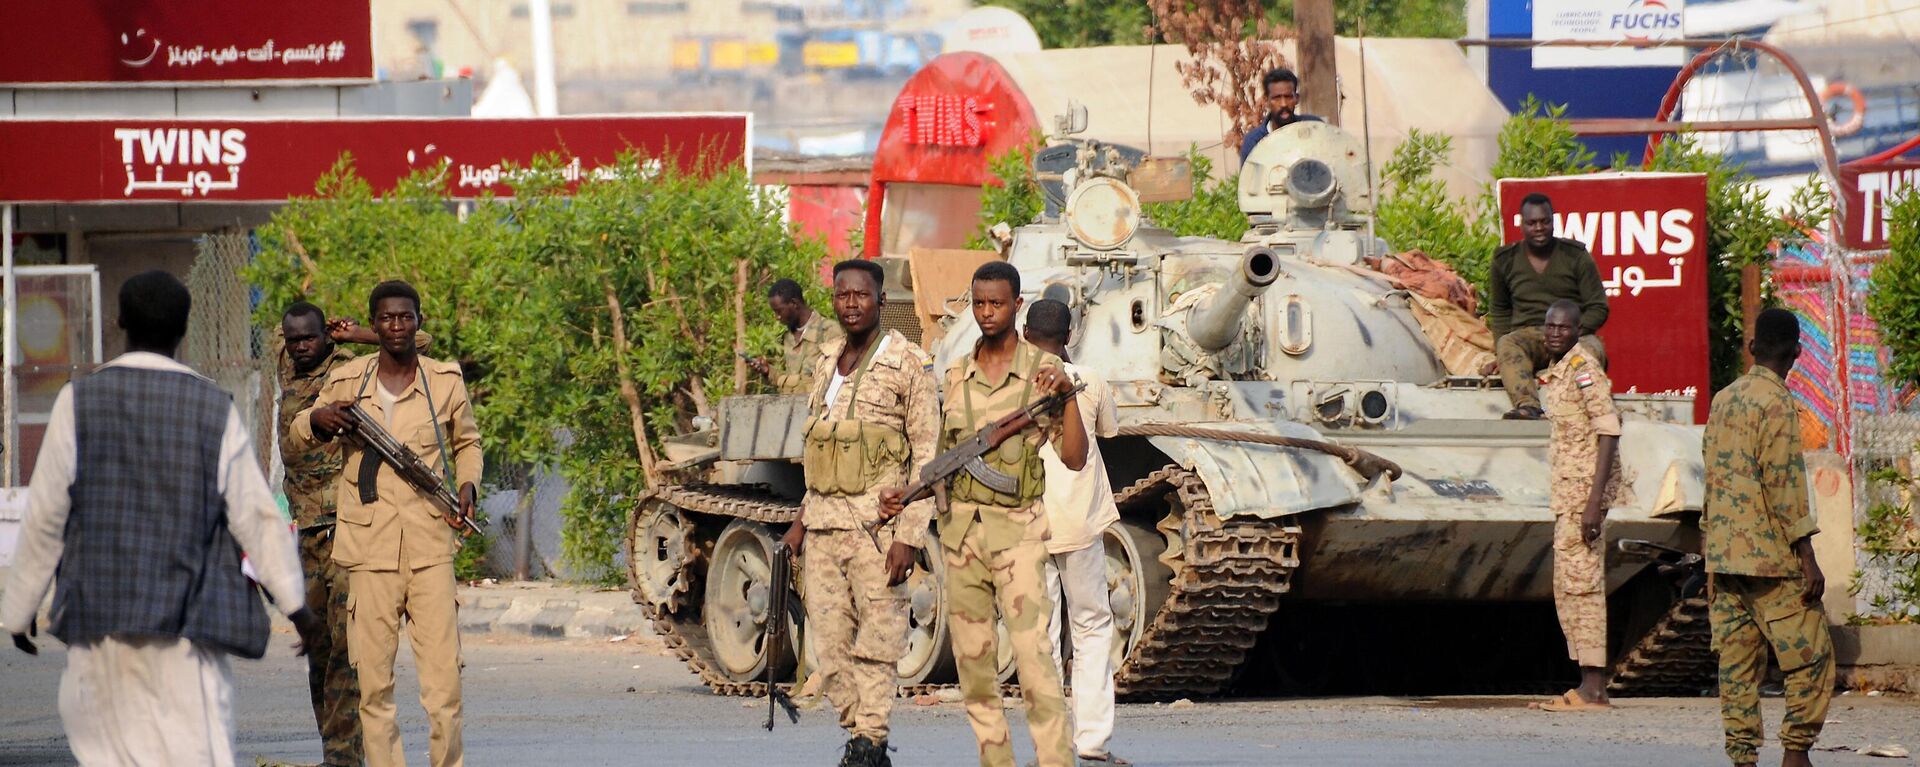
{"points": [[1583, 380], [1576, 362]]}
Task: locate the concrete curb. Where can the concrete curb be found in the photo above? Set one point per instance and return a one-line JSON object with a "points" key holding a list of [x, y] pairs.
{"points": [[550, 610], [1878, 657]]}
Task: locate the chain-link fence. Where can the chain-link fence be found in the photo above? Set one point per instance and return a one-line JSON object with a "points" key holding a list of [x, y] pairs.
{"points": [[221, 343]]}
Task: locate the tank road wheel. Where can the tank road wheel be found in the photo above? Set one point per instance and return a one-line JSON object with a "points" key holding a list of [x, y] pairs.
{"points": [[929, 658], [1137, 582], [659, 550], [737, 603]]}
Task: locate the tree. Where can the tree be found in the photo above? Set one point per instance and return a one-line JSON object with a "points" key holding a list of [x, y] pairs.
{"points": [[1894, 302], [1084, 23], [1233, 44]]}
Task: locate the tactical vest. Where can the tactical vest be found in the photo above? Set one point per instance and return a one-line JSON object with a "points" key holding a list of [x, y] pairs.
{"points": [[1018, 457], [849, 456]]}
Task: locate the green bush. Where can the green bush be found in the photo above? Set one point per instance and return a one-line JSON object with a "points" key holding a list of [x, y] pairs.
{"points": [[1887, 539], [516, 290]]}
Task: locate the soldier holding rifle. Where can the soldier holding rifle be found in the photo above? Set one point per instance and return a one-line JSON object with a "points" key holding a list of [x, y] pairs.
{"points": [[394, 532], [992, 528]]}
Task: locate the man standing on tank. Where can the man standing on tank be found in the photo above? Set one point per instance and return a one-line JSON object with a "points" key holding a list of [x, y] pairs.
{"points": [[1282, 90], [1080, 508], [875, 425], [1526, 277], [995, 543], [1587, 480], [806, 334], [1764, 586]]}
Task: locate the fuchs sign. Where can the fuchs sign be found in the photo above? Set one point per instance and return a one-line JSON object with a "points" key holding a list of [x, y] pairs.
{"points": [[272, 160], [211, 42], [1868, 191], [1648, 234]]}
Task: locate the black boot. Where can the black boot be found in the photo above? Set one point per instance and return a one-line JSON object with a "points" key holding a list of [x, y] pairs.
{"points": [[862, 752]]}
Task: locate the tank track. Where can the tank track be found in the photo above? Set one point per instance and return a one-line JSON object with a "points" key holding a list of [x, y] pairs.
{"points": [[1224, 592], [686, 636], [1675, 658]]}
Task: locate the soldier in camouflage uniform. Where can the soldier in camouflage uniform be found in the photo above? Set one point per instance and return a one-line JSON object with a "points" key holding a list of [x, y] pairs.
{"points": [[995, 543], [1587, 480], [875, 425], [806, 334], [1757, 531], [310, 355]]}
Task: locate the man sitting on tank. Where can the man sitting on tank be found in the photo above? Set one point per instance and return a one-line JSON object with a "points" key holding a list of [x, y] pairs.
{"points": [[1282, 89], [1527, 277]]}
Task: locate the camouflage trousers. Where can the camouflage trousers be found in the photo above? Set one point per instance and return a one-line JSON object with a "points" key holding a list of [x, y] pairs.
{"points": [[330, 676], [1752, 616], [858, 627], [1522, 353], [1014, 582], [1580, 587]]}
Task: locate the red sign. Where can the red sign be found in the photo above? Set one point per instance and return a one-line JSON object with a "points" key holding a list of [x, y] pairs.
{"points": [[949, 120], [1864, 194], [1648, 235], [271, 160], [58, 42]]}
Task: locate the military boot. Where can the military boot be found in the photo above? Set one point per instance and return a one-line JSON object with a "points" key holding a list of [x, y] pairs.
{"points": [[862, 752]]}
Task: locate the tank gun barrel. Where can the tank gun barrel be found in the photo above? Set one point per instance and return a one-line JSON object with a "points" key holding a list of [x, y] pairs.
{"points": [[1216, 321]]}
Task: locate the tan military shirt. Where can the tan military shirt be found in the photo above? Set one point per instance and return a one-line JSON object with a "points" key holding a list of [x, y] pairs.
{"points": [[992, 399], [795, 372], [896, 390], [1756, 502], [371, 536], [1578, 396], [311, 469]]}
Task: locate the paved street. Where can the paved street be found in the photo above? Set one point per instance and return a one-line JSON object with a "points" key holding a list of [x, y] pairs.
{"points": [[591, 702]]}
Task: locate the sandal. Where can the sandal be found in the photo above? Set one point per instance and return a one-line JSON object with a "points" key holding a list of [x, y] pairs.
{"points": [[1572, 702], [1106, 758]]}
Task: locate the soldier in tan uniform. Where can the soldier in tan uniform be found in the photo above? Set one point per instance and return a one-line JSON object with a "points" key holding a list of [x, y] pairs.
{"points": [[995, 543], [1764, 586], [396, 544], [1587, 480], [806, 333], [875, 425]]}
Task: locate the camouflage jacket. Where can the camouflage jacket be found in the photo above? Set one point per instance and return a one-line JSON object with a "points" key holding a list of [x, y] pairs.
{"points": [[1578, 397], [794, 374], [895, 390], [311, 469], [1756, 501]]}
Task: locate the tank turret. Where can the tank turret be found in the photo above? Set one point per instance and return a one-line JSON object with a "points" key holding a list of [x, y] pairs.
{"points": [[1217, 321]]}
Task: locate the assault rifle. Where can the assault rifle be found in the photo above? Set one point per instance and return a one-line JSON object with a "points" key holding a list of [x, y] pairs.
{"points": [[1685, 571], [382, 446], [778, 606], [967, 455]]}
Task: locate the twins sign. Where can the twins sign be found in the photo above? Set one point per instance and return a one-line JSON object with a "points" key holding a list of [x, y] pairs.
{"points": [[1648, 235]]}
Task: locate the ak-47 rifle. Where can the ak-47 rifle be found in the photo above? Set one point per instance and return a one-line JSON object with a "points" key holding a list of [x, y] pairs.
{"points": [[967, 455], [778, 606], [382, 446], [1684, 570]]}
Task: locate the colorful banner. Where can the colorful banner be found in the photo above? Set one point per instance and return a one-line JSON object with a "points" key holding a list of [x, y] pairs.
{"points": [[1648, 235]]}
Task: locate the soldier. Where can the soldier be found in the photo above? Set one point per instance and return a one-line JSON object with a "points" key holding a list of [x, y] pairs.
{"points": [[806, 333], [1757, 532], [875, 425], [1525, 278], [1587, 480], [310, 357], [394, 542], [995, 543], [1080, 508]]}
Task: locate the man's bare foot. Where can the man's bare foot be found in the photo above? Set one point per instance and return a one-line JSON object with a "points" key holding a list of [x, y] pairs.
{"points": [[1796, 759]]}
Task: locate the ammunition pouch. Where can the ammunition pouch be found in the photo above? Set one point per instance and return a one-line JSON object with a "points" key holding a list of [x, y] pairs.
{"points": [[845, 457]]}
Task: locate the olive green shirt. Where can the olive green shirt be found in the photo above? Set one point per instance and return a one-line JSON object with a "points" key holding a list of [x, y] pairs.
{"points": [[992, 399], [1518, 296], [1756, 504], [794, 374]]}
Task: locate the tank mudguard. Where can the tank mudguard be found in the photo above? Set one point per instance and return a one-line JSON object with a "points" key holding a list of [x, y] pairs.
{"points": [[1263, 481]]}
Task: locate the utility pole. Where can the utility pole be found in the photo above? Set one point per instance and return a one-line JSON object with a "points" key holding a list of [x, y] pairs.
{"points": [[544, 99], [1313, 46]]}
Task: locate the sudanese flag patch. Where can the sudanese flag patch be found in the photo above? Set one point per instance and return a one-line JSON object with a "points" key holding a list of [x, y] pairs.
{"points": [[1583, 380]]}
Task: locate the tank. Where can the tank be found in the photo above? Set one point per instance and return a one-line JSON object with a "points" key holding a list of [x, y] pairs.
{"points": [[1290, 444]]}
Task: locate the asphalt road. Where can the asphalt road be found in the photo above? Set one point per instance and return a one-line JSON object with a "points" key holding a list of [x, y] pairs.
{"points": [[546, 702]]}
